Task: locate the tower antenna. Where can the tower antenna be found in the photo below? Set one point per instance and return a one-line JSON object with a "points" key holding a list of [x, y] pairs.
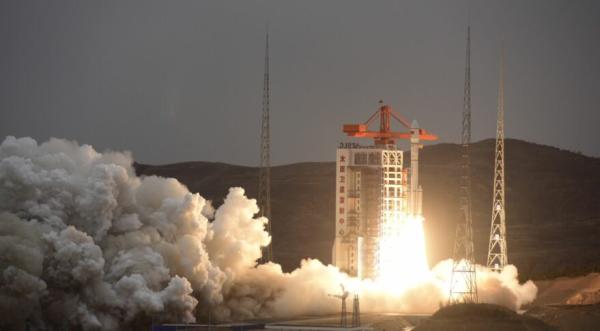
{"points": [[463, 281], [497, 257], [264, 180]]}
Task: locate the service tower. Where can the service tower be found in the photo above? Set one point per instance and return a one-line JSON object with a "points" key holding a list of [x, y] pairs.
{"points": [[372, 185]]}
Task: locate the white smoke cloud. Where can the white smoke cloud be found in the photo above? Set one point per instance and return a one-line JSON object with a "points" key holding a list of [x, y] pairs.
{"points": [[83, 238]]}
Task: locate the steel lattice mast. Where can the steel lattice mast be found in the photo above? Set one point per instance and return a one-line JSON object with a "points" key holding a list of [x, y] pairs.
{"points": [[497, 258], [264, 180], [463, 281], [355, 311], [344, 313]]}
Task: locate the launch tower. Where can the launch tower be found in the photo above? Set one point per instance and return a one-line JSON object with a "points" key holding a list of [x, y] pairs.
{"points": [[371, 185]]}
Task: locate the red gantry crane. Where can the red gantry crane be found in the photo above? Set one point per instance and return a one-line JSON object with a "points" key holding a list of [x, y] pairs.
{"points": [[385, 136]]}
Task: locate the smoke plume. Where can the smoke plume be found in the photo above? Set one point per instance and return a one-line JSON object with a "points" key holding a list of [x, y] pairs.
{"points": [[84, 242]]}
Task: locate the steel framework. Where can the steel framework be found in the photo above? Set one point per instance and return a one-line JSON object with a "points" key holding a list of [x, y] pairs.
{"points": [[497, 257], [463, 281], [344, 312], [264, 180], [393, 206]]}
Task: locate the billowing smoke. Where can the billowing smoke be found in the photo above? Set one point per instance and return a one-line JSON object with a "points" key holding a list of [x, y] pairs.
{"points": [[85, 242]]}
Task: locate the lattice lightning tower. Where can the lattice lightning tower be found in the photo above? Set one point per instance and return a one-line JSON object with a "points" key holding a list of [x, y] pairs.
{"points": [[497, 258], [355, 311], [264, 180], [463, 281], [344, 312]]}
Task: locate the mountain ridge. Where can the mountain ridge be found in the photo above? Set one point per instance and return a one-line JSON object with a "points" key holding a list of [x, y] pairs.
{"points": [[553, 203]]}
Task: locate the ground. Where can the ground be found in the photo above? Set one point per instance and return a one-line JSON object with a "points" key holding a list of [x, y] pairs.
{"points": [[472, 317], [569, 317]]}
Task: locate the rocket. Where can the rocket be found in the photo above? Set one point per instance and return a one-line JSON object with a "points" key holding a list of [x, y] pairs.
{"points": [[416, 191]]}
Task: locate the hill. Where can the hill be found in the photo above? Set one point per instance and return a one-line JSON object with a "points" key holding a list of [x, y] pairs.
{"points": [[553, 204]]}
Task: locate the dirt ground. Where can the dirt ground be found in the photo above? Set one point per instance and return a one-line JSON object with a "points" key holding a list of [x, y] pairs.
{"points": [[569, 303], [569, 317], [475, 317], [583, 290]]}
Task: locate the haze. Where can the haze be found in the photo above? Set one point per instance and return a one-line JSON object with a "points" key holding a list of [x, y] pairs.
{"points": [[182, 80]]}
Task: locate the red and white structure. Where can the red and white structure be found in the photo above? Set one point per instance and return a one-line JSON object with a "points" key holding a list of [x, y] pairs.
{"points": [[374, 194]]}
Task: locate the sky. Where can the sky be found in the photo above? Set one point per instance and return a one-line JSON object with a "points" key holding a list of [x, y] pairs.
{"points": [[175, 81]]}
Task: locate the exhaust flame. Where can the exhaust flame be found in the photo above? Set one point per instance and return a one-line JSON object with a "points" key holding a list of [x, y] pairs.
{"points": [[402, 239]]}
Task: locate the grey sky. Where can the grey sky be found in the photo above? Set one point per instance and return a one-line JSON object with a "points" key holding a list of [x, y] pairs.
{"points": [[182, 80]]}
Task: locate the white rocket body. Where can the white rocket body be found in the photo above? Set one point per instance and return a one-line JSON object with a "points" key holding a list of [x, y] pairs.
{"points": [[416, 192]]}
